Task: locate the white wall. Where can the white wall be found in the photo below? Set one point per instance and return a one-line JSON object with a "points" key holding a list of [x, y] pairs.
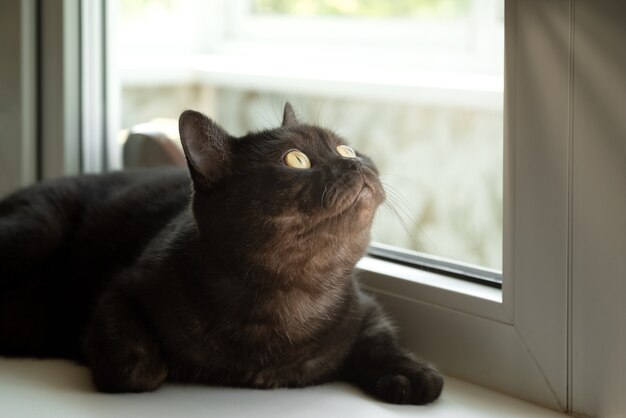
{"points": [[599, 208]]}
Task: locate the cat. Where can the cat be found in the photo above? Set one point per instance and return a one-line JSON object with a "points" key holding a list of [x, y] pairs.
{"points": [[237, 271]]}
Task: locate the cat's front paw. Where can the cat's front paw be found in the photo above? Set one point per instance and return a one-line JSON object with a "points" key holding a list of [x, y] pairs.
{"points": [[139, 377], [416, 387]]}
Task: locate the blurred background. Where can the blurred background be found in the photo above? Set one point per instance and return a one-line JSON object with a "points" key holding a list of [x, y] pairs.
{"points": [[415, 84]]}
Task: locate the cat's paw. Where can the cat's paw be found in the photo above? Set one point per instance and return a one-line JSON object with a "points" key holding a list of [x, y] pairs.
{"points": [[418, 387], [142, 376]]}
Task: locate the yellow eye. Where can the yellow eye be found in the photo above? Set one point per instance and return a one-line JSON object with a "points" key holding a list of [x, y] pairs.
{"points": [[297, 159], [346, 151]]}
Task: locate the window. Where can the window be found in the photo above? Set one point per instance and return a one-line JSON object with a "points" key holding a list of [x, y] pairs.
{"points": [[514, 339], [551, 334], [416, 84]]}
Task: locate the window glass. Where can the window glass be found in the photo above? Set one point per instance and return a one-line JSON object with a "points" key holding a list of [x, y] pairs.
{"points": [[416, 84], [362, 8]]}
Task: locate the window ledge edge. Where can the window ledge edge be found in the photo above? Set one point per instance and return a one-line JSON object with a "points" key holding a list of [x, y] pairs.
{"points": [[429, 287]]}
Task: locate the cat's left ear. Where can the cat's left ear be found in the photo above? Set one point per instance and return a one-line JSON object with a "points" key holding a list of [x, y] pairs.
{"points": [[206, 147], [289, 116]]}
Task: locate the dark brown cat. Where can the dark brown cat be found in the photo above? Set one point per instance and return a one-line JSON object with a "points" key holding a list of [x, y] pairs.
{"points": [[241, 276]]}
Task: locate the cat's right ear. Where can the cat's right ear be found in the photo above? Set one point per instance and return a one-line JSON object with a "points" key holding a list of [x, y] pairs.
{"points": [[206, 147]]}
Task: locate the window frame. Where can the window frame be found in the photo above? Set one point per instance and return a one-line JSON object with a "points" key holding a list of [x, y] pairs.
{"points": [[514, 340], [441, 265], [520, 352], [18, 102], [517, 344]]}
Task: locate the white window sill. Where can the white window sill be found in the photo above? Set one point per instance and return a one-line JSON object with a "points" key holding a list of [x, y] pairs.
{"points": [[436, 289], [35, 388]]}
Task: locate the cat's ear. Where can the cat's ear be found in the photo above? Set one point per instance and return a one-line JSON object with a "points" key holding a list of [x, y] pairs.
{"points": [[206, 147], [289, 116]]}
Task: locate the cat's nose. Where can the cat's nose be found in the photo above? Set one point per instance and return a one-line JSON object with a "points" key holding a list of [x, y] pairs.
{"points": [[342, 166], [354, 163]]}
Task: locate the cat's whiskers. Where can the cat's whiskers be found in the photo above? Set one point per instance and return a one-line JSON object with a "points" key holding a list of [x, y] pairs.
{"points": [[413, 238], [396, 203], [401, 202]]}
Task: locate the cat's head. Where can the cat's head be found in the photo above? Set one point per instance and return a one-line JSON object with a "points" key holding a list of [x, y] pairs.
{"points": [[294, 194]]}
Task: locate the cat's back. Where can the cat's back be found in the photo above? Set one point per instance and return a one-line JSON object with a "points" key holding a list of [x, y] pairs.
{"points": [[94, 190], [91, 225], [126, 199], [122, 211]]}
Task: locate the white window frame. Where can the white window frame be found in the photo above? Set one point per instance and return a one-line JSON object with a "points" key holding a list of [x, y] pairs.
{"points": [[513, 340]]}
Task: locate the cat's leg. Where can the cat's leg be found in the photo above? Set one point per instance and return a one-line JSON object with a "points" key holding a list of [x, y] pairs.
{"points": [[121, 352], [381, 368]]}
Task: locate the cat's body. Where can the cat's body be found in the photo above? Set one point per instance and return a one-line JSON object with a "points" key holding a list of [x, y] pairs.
{"points": [[63, 242], [242, 276]]}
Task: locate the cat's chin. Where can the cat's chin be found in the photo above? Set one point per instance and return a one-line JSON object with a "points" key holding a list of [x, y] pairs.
{"points": [[361, 210], [365, 193], [361, 203], [371, 194], [366, 202]]}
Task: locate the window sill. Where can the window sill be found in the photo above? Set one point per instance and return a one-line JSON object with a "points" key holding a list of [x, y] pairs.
{"points": [[419, 285], [64, 389]]}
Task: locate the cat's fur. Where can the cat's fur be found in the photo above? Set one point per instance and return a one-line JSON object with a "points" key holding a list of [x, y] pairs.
{"points": [[241, 276]]}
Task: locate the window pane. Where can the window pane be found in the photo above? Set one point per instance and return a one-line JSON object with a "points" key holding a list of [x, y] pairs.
{"points": [[423, 99], [362, 8]]}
